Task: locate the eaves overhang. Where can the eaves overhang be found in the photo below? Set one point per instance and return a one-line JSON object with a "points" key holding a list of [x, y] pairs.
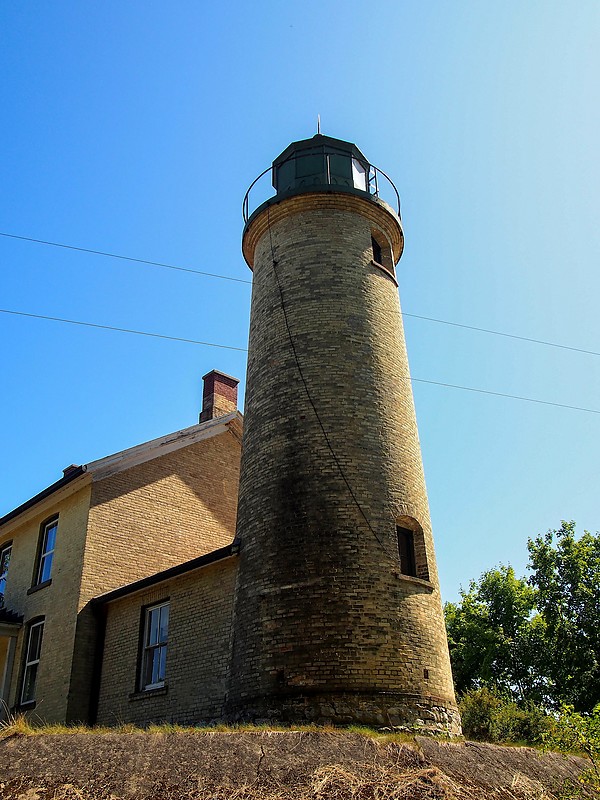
{"points": [[49, 490], [10, 622]]}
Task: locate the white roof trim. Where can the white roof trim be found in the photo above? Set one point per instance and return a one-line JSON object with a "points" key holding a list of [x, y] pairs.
{"points": [[49, 502], [117, 462]]}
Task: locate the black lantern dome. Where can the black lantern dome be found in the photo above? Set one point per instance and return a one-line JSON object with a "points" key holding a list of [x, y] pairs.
{"points": [[318, 162]]}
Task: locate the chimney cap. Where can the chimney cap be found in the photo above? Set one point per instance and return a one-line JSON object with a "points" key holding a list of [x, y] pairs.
{"points": [[220, 374]]}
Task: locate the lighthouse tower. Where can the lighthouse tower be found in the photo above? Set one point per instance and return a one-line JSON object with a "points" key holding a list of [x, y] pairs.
{"points": [[337, 611]]}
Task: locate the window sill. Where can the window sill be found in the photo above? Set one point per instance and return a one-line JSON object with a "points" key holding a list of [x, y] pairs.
{"points": [[417, 581], [26, 706], [162, 690], [39, 586], [387, 272]]}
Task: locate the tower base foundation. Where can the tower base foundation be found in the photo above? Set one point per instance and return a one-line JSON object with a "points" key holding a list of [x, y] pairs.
{"points": [[395, 710]]}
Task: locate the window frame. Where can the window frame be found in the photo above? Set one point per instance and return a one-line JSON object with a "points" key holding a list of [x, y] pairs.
{"points": [[406, 551], [409, 532], [44, 554], [381, 252], [7, 546], [148, 648], [29, 663]]}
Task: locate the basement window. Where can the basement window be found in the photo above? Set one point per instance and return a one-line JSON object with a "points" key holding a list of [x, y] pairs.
{"points": [[154, 652]]}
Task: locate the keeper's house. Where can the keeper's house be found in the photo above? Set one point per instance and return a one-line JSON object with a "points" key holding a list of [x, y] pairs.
{"points": [[90, 567]]}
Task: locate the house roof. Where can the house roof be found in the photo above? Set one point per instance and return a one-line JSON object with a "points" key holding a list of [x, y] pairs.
{"points": [[37, 498], [9, 617], [132, 456], [166, 574]]}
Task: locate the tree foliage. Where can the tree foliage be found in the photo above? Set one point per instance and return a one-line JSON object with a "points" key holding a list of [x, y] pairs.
{"points": [[566, 579], [534, 640], [495, 637]]}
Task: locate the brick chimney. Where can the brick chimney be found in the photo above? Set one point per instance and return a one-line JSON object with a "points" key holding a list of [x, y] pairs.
{"points": [[219, 396]]}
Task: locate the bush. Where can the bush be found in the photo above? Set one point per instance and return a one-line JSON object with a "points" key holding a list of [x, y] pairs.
{"points": [[490, 717], [579, 733]]}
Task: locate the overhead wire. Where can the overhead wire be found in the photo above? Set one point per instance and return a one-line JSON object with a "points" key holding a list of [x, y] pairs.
{"points": [[502, 333], [245, 350], [123, 330], [179, 268], [126, 258]]}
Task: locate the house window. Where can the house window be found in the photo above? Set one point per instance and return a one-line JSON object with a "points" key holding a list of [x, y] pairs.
{"points": [[32, 661], [5, 552], [406, 548], [48, 539], [154, 654]]}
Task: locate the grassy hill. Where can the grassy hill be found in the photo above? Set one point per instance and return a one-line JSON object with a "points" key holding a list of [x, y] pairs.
{"points": [[311, 764]]}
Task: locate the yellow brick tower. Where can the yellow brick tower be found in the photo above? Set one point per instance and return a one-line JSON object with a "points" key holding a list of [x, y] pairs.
{"points": [[338, 615]]}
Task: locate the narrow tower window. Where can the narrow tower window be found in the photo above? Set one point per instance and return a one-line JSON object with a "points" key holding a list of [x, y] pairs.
{"points": [[377, 255], [406, 548], [411, 548], [382, 251]]}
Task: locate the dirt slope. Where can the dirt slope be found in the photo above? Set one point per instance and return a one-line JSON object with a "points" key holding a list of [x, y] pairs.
{"points": [[269, 765]]}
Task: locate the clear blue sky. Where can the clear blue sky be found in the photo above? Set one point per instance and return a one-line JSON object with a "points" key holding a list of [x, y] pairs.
{"points": [[136, 128]]}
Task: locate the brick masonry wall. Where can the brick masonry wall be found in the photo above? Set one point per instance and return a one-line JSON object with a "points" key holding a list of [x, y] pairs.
{"points": [[146, 519], [322, 611], [198, 651], [57, 602]]}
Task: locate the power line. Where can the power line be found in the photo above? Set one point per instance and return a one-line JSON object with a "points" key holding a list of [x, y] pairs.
{"points": [[245, 350], [502, 333], [123, 330], [511, 396], [178, 268], [126, 258]]}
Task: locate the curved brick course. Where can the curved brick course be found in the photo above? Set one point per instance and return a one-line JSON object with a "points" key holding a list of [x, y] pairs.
{"points": [[326, 627]]}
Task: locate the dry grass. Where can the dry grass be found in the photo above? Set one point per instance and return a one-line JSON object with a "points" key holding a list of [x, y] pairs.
{"points": [[333, 782], [387, 766], [21, 725]]}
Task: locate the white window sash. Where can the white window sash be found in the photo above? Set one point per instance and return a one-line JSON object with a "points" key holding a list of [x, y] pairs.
{"points": [[30, 663]]}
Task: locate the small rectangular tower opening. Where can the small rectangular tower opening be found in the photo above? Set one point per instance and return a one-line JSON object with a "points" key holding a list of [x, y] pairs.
{"points": [[406, 548], [382, 251], [411, 548]]}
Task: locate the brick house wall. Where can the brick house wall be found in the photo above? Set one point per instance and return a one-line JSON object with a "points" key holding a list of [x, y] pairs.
{"points": [[145, 519], [198, 650], [116, 524], [56, 602]]}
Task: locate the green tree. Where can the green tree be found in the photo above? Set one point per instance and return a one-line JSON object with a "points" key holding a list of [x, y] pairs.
{"points": [[495, 637], [565, 579]]}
